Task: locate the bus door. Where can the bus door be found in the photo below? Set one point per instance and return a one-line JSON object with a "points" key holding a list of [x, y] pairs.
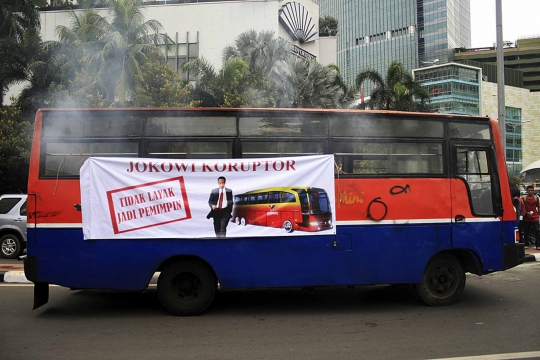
{"points": [[476, 200]]}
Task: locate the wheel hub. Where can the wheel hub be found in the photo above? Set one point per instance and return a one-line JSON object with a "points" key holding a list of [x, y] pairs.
{"points": [[8, 247], [187, 285]]}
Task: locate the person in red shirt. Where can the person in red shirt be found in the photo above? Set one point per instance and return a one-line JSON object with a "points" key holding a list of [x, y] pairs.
{"points": [[529, 211]]}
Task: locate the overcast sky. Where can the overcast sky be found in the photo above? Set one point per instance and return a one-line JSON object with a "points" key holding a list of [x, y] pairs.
{"points": [[521, 18]]}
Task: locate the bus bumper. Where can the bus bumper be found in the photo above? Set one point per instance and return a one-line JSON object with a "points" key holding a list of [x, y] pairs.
{"points": [[513, 255], [41, 289]]}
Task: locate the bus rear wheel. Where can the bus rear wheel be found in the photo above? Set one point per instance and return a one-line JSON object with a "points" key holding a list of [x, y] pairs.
{"points": [[443, 281], [187, 287], [288, 226]]}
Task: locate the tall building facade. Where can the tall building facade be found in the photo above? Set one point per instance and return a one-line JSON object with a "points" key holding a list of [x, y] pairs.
{"points": [[524, 56], [373, 33]]}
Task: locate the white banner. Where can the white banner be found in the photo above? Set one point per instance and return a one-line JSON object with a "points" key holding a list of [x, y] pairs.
{"points": [[167, 198]]}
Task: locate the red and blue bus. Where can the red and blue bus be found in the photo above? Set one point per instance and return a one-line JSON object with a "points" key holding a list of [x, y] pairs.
{"points": [[420, 199], [291, 208]]}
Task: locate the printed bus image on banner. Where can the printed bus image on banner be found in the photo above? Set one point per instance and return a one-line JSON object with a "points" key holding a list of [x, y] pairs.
{"points": [[167, 198]]}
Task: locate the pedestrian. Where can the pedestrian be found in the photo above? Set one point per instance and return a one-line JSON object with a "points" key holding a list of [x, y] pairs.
{"points": [[221, 204], [530, 216], [518, 205]]}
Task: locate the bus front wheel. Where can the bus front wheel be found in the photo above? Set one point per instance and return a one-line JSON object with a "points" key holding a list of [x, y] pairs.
{"points": [[288, 226], [443, 281], [186, 287]]}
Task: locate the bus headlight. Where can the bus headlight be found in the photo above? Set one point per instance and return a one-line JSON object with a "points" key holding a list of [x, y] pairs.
{"points": [[314, 223]]}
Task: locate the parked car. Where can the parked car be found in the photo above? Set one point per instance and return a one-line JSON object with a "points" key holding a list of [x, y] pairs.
{"points": [[12, 225]]}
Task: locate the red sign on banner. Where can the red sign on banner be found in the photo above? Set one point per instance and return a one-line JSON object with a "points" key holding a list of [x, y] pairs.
{"points": [[147, 205]]}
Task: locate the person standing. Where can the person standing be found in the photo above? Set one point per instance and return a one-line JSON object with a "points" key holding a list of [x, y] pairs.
{"points": [[221, 204], [530, 216], [518, 205]]}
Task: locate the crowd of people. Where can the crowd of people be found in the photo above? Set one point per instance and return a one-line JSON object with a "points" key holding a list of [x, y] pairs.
{"points": [[527, 208]]}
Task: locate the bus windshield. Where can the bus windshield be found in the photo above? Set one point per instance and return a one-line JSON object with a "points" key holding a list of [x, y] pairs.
{"points": [[317, 204]]}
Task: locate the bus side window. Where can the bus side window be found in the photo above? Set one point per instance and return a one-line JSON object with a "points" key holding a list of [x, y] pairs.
{"points": [[262, 198], [287, 197], [472, 166], [274, 197]]}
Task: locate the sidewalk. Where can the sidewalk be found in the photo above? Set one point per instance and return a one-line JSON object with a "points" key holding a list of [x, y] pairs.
{"points": [[14, 273]]}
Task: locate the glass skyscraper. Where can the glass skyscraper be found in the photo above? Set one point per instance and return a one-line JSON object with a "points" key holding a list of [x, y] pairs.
{"points": [[373, 33]]}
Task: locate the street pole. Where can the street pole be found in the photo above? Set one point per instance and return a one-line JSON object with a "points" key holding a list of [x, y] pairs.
{"points": [[500, 75]]}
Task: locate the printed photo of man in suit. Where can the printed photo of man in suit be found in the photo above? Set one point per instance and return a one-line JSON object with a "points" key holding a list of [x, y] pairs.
{"points": [[221, 203]]}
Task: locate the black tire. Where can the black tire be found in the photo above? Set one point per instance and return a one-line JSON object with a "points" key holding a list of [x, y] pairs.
{"points": [[443, 282], [186, 287], [10, 246]]}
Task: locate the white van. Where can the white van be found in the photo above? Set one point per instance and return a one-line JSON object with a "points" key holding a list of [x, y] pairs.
{"points": [[12, 225]]}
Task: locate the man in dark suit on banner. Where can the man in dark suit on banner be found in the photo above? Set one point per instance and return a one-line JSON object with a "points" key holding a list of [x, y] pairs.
{"points": [[221, 203]]}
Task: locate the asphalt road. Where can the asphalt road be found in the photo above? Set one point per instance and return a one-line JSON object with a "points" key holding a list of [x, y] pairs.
{"points": [[497, 314]]}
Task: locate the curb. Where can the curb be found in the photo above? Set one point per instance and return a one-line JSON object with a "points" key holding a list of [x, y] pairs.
{"points": [[13, 277], [531, 257]]}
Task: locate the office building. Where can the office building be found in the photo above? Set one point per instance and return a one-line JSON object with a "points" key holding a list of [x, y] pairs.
{"points": [[456, 88], [372, 34], [524, 56]]}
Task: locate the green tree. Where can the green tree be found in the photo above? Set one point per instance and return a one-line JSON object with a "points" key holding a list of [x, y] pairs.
{"points": [[19, 20], [231, 86], [15, 142], [81, 90], [126, 44], [349, 93], [159, 86], [306, 84], [260, 50], [397, 91], [328, 26]]}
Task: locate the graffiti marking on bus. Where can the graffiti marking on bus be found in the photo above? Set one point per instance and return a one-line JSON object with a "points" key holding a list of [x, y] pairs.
{"points": [[377, 200], [42, 214], [350, 198], [398, 189]]}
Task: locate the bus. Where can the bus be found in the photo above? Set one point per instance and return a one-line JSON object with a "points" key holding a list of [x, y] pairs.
{"points": [[420, 199], [291, 208]]}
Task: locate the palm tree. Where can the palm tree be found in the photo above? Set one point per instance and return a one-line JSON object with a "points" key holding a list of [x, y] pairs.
{"points": [[397, 91], [348, 92], [16, 16], [19, 20], [125, 45], [232, 86], [306, 84], [261, 51]]}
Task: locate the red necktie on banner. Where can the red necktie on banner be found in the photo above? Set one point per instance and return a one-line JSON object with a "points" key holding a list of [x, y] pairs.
{"points": [[220, 199]]}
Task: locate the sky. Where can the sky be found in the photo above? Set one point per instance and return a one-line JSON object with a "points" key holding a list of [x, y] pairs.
{"points": [[521, 18]]}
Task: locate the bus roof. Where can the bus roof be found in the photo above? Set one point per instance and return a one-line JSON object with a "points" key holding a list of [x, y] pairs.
{"points": [[261, 111], [282, 188]]}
